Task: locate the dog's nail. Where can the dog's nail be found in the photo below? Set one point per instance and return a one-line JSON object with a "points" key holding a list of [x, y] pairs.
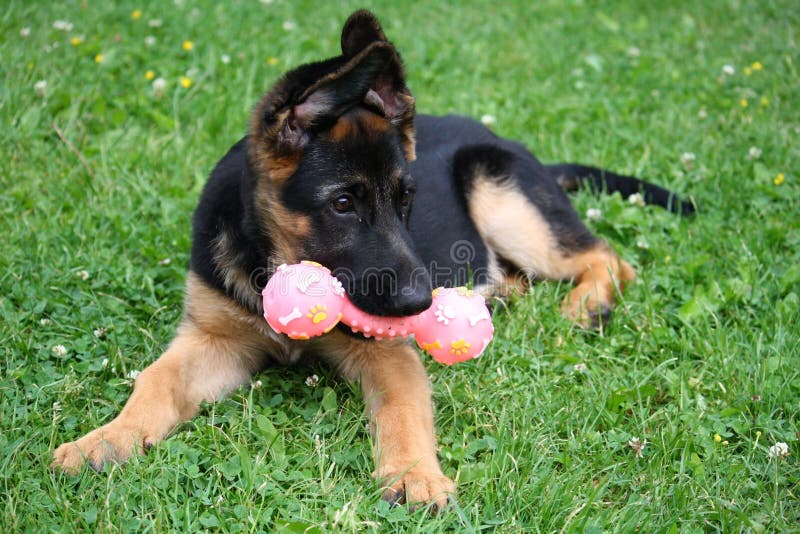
{"points": [[393, 496], [96, 466]]}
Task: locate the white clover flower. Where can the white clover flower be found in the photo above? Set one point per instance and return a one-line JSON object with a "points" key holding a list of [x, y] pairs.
{"points": [[83, 275], [642, 244], [24, 32], [702, 114], [289, 25], [133, 374], [159, 86], [688, 158], [580, 368], [165, 261], [779, 450], [636, 199], [155, 23], [104, 363], [637, 445], [225, 58], [488, 120], [59, 350], [634, 52], [594, 214], [149, 40], [44, 321], [40, 87], [312, 381], [728, 70], [754, 152], [56, 407], [100, 332], [257, 384], [63, 25], [267, 2]]}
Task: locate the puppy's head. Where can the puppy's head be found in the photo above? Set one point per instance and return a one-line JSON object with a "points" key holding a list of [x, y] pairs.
{"points": [[330, 144]]}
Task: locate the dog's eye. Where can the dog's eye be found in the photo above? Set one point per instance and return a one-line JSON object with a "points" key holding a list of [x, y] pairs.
{"points": [[344, 204], [407, 198]]}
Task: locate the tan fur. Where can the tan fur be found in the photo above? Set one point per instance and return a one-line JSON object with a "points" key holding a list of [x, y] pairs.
{"points": [[267, 161], [398, 397], [600, 274], [512, 226], [520, 234], [220, 345], [358, 123], [235, 278], [217, 348], [405, 125], [286, 229]]}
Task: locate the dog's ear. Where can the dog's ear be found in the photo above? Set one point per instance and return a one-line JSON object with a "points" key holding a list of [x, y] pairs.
{"points": [[311, 98], [360, 30]]}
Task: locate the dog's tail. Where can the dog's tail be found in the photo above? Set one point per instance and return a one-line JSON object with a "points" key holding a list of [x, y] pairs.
{"points": [[572, 176]]}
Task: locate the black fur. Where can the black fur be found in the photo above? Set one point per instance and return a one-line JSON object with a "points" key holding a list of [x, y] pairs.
{"points": [[387, 256], [571, 176]]}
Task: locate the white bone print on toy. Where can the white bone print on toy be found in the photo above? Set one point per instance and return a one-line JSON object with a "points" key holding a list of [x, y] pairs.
{"points": [[483, 316], [286, 319], [304, 283], [444, 314]]}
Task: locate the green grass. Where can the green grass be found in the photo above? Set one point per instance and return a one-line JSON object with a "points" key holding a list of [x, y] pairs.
{"points": [[706, 341]]}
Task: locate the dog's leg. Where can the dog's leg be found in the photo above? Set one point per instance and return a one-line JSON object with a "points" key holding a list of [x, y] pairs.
{"points": [[213, 353], [532, 225], [398, 397]]}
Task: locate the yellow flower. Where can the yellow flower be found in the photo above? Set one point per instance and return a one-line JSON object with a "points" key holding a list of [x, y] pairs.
{"points": [[764, 101], [149, 75], [136, 14], [743, 102], [75, 41], [747, 71], [271, 60], [187, 45], [725, 442], [717, 438], [757, 65], [779, 179], [186, 82], [98, 58]]}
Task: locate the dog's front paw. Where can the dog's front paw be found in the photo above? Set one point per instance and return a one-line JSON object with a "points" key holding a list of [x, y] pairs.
{"points": [[586, 307], [418, 487], [110, 443]]}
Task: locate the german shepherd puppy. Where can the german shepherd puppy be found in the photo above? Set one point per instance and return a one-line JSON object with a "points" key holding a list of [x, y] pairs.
{"points": [[334, 161]]}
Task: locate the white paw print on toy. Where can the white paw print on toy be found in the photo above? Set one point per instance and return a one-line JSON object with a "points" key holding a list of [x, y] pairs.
{"points": [[444, 314]]}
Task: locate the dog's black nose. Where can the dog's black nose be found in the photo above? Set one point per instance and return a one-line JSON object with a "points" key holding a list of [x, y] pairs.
{"points": [[411, 301]]}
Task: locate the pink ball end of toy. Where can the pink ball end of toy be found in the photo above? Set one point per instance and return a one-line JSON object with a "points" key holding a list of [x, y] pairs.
{"points": [[303, 300], [457, 326]]}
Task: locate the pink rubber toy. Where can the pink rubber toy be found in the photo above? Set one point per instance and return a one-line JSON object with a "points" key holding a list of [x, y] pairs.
{"points": [[304, 301], [456, 327]]}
